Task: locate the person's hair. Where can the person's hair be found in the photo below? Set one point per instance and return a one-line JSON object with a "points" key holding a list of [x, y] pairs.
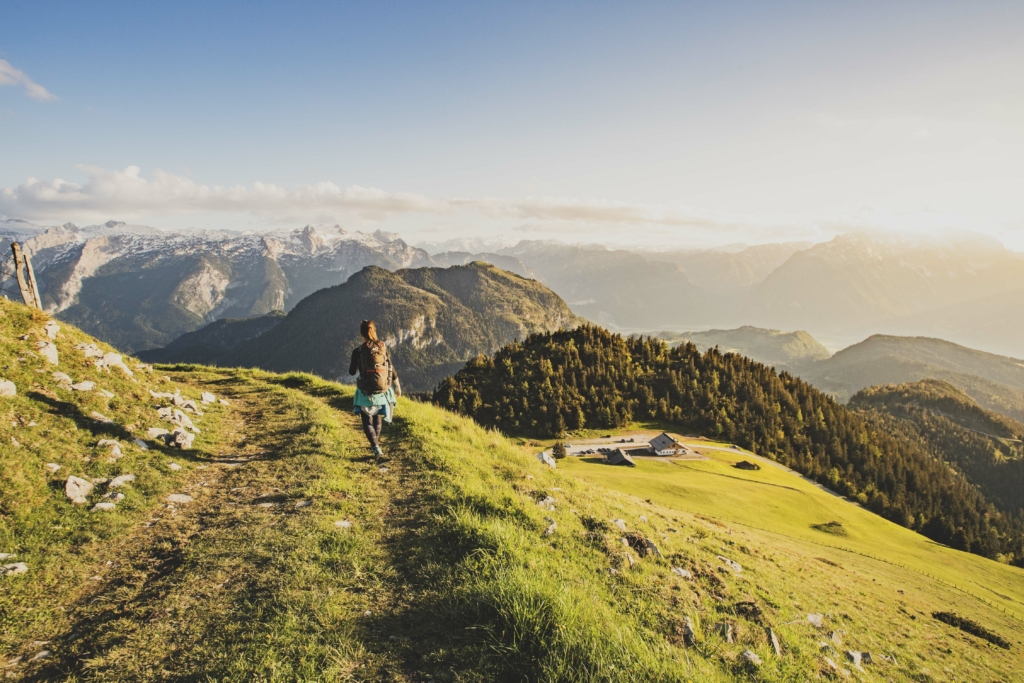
{"points": [[368, 329]]}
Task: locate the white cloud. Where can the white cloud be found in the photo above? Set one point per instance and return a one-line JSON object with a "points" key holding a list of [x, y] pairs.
{"points": [[16, 77]]}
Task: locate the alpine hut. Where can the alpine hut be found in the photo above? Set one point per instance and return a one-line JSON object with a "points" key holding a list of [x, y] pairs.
{"points": [[665, 444], [620, 457]]}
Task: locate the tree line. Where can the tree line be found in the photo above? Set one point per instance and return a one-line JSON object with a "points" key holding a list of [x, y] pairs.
{"points": [[589, 378]]}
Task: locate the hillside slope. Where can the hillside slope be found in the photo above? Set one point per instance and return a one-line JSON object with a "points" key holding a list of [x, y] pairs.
{"points": [[995, 382], [210, 344], [298, 558], [987, 447], [783, 350], [433, 319]]}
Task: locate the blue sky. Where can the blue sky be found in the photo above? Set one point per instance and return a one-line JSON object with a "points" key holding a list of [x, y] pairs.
{"points": [[659, 123]]}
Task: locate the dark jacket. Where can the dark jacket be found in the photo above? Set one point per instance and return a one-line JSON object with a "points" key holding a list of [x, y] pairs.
{"points": [[353, 368]]}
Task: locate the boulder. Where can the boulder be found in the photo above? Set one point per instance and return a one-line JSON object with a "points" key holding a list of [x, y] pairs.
{"points": [[52, 467], [77, 490], [13, 569], [7, 556], [113, 496], [685, 573], [85, 385], [156, 432], [141, 444], [550, 531], [620, 523], [61, 378], [7, 388], [90, 350], [52, 328], [751, 658], [114, 360], [223, 401], [545, 457], [854, 657], [191, 406], [179, 498], [724, 629], [816, 620], [103, 507], [100, 417], [865, 658], [120, 481], [689, 635], [48, 350], [179, 438], [207, 397]]}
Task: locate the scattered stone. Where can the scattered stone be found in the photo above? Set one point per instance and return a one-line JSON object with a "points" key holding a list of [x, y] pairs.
{"points": [[13, 569], [724, 629], [7, 388], [141, 444], [114, 360], [99, 480], [145, 367], [15, 442], [114, 496], [48, 350], [835, 637], [643, 518], [620, 523], [85, 385], [107, 394], [179, 438], [630, 561], [550, 531], [42, 654], [223, 401], [77, 490], [61, 378], [343, 524], [816, 620], [545, 457], [100, 417], [735, 566], [207, 397], [90, 350], [174, 467], [160, 394], [103, 507], [117, 482], [177, 400], [303, 503], [52, 328], [774, 639], [156, 432], [685, 573], [689, 635], [751, 658], [865, 658], [548, 503], [368, 613], [382, 470], [179, 498], [115, 449], [7, 556], [191, 406], [854, 657]]}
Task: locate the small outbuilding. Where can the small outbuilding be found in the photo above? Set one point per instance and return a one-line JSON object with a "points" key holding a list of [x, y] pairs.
{"points": [[620, 457], [666, 444], [745, 465]]}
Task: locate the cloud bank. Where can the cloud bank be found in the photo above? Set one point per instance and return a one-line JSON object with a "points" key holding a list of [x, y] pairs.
{"points": [[16, 77], [127, 193]]}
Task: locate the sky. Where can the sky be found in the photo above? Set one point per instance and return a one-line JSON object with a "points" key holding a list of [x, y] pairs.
{"points": [[655, 124]]}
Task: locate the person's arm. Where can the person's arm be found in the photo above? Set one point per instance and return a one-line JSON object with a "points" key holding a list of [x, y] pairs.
{"points": [[353, 366], [394, 378]]}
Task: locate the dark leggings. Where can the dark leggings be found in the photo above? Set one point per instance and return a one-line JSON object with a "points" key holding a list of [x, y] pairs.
{"points": [[372, 427]]}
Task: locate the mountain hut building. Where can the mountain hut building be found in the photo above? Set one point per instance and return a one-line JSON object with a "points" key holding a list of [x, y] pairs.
{"points": [[665, 444], [620, 457]]}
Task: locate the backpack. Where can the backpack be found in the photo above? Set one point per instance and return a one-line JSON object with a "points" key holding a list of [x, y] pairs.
{"points": [[374, 368]]}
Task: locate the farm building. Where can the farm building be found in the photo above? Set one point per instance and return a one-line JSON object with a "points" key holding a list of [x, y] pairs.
{"points": [[665, 444], [745, 465], [620, 457]]}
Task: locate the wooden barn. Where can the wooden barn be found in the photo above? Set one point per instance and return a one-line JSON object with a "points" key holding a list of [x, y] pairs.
{"points": [[620, 457]]}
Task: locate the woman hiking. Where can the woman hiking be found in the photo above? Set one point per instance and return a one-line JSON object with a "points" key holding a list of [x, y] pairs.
{"points": [[377, 387]]}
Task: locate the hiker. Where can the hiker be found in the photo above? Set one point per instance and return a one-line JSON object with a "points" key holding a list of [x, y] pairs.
{"points": [[377, 387]]}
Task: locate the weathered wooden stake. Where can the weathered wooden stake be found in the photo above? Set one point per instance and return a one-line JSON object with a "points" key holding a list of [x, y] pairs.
{"points": [[26, 278]]}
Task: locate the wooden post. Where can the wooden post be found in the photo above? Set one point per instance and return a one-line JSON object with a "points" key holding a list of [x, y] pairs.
{"points": [[27, 284], [32, 281]]}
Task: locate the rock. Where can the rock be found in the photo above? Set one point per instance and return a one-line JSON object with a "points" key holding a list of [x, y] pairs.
{"points": [[652, 549], [854, 657], [689, 635], [177, 400], [156, 432], [85, 385], [15, 442], [120, 481], [114, 360], [545, 457], [550, 531], [343, 524], [548, 503], [160, 394], [774, 640], [832, 666], [7, 556], [145, 367], [52, 467], [90, 350], [751, 658], [182, 420], [630, 561], [816, 620], [207, 397], [103, 507], [100, 417], [174, 467], [191, 406], [77, 490], [141, 444], [179, 498], [13, 569], [835, 637], [685, 573], [643, 518], [724, 629], [48, 350], [620, 523], [179, 438], [303, 503], [223, 401], [114, 496], [865, 658], [61, 378], [42, 654], [7, 388], [107, 394], [735, 566], [52, 328]]}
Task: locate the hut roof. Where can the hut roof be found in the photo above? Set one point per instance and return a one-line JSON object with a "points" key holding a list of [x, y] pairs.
{"points": [[620, 457]]}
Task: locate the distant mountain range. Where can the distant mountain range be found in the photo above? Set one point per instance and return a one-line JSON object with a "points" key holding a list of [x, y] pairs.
{"points": [[783, 350], [433, 320]]}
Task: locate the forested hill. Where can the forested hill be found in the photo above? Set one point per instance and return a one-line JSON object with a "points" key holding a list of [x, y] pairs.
{"points": [[985, 446], [553, 383]]}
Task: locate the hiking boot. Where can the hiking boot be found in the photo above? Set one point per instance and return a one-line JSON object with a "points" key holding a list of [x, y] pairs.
{"points": [[379, 452]]}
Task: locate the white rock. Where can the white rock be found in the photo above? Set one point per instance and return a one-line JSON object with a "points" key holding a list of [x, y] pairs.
{"points": [[174, 467], [620, 523], [52, 328], [685, 573], [207, 397], [550, 531], [100, 417], [42, 654], [114, 496], [15, 442], [85, 385], [774, 639], [156, 432], [13, 569], [854, 657], [7, 556], [643, 519], [816, 620], [77, 490], [735, 566], [141, 444], [545, 457], [48, 350], [751, 657], [61, 378], [343, 524], [689, 635], [303, 503], [107, 394], [179, 498], [179, 438], [7, 388], [103, 507], [114, 360], [223, 401], [160, 394], [118, 482], [90, 350]]}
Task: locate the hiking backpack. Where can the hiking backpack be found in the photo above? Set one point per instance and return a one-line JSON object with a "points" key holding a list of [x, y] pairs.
{"points": [[374, 368]]}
